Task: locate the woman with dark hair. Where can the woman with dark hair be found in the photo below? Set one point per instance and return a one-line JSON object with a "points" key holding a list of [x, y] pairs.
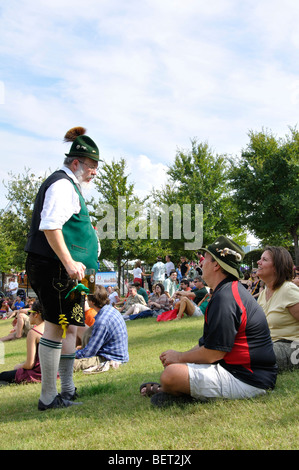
{"points": [[158, 303], [161, 300], [280, 302]]}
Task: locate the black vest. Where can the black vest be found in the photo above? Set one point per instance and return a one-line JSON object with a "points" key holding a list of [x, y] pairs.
{"points": [[78, 232]]}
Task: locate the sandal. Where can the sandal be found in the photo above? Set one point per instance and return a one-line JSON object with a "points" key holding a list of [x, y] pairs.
{"points": [[151, 388]]}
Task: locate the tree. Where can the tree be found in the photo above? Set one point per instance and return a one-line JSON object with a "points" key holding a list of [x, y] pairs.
{"points": [[200, 177], [120, 227], [15, 221], [266, 188]]}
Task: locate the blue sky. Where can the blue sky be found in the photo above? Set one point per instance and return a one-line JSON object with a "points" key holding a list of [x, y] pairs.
{"points": [[144, 77]]}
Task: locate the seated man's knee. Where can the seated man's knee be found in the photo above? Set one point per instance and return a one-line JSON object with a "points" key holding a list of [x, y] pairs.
{"points": [[169, 376]]}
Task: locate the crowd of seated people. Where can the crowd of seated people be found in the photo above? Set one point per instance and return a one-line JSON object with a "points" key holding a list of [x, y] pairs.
{"points": [[274, 283]]}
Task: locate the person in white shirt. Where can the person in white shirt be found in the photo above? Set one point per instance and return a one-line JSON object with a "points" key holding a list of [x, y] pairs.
{"points": [[138, 273], [170, 284], [158, 271], [168, 265], [61, 245], [13, 287]]}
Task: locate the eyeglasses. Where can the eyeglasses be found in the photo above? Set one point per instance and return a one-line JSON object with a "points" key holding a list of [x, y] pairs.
{"points": [[88, 166]]}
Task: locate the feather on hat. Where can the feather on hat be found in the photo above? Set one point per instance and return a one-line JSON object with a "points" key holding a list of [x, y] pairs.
{"points": [[82, 145]]}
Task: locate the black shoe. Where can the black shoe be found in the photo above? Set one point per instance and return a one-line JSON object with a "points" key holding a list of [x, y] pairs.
{"points": [[69, 396], [58, 402]]}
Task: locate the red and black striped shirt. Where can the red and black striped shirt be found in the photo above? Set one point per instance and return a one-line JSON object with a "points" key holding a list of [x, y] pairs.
{"points": [[236, 324]]}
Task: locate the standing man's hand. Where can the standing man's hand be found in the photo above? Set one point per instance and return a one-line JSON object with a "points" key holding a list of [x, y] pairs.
{"points": [[75, 269]]}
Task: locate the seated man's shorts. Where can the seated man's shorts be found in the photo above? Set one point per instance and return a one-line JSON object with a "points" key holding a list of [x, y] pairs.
{"points": [[51, 283], [197, 312], [213, 381]]}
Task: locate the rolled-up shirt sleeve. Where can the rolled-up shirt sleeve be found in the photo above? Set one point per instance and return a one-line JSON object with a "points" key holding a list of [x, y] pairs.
{"points": [[61, 202]]}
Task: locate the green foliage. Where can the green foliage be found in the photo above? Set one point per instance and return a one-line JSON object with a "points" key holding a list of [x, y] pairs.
{"points": [[15, 221], [258, 193], [266, 188], [199, 177], [8, 252]]}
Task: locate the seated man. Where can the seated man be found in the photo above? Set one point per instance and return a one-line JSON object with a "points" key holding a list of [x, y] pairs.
{"points": [[133, 298], [185, 285], [18, 303], [107, 345], [170, 284], [189, 300], [141, 291], [234, 359]]}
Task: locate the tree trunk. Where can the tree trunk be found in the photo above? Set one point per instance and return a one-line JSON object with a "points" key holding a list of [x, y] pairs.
{"points": [[296, 247]]}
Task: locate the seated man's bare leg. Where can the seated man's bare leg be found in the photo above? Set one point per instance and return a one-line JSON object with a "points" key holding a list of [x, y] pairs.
{"points": [[19, 325], [175, 379], [186, 306]]}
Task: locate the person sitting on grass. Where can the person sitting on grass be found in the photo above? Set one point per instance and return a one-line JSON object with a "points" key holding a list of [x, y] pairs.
{"points": [[141, 291], [4, 309], [158, 303], [189, 300], [29, 371], [18, 303], [170, 284], [105, 344], [21, 323], [280, 302], [234, 359], [132, 299]]}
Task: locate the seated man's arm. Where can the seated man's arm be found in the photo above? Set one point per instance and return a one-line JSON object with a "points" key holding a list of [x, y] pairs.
{"points": [[196, 355]]}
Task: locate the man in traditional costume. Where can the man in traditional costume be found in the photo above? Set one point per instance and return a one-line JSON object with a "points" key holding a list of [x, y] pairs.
{"points": [[61, 245]]}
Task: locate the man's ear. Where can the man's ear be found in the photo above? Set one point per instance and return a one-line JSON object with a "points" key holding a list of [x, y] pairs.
{"points": [[216, 266]]}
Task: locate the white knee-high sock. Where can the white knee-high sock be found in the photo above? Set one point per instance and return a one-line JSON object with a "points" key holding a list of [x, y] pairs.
{"points": [[49, 355], [66, 367]]}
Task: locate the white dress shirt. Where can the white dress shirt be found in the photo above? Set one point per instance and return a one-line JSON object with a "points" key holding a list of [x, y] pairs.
{"points": [[61, 202]]}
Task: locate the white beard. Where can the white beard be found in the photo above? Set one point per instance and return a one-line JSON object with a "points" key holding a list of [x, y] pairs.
{"points": [[80, 177]]}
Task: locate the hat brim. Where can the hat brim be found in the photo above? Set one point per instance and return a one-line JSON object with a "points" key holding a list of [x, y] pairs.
{"points": [[225, 266], [89, 155]]}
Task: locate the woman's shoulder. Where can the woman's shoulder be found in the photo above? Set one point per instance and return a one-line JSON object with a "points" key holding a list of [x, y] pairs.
{"points": [[290, 288], [35, 333], [287, 294]]}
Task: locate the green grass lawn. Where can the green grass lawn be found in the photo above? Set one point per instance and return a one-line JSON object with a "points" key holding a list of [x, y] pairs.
{"points": [[115, 417]]}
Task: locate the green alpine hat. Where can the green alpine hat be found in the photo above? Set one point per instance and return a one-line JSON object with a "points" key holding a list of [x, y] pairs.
{"points": [[228, 254], [82, 146]]}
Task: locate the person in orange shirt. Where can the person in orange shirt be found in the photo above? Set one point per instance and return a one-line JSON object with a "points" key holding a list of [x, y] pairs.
{"points": [[89, 313]]}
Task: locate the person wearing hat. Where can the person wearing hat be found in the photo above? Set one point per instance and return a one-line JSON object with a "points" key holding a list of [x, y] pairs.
{"points": [[234, 358], [61, 245]]}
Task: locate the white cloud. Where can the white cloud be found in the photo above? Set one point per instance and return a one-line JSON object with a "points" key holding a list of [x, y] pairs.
{"points": [[145, 77], [146, 174]]}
